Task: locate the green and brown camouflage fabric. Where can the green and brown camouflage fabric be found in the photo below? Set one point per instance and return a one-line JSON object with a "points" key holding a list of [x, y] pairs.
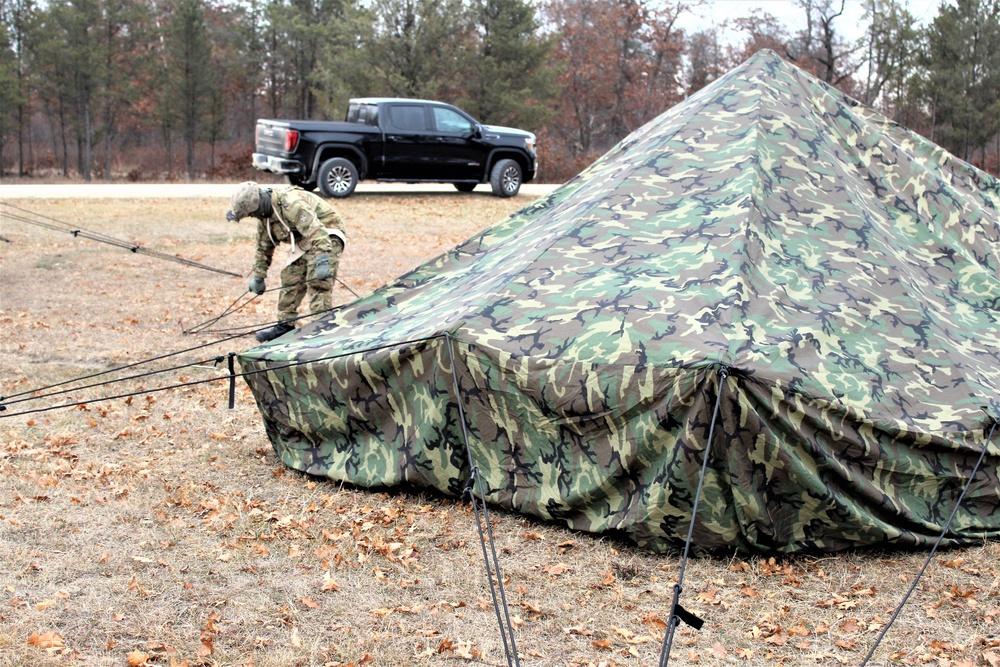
{"points": [[841, 268]]}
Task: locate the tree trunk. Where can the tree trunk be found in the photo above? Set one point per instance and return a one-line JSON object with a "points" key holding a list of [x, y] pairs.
{"points": [[20, 140], [88, 142], [62, 134]]}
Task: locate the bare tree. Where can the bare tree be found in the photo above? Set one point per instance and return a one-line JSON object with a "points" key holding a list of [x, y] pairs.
{"points": [[820, 47]]}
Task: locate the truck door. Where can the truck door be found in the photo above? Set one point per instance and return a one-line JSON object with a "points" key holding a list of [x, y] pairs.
{"points": [[458, 152], [407, 139]]}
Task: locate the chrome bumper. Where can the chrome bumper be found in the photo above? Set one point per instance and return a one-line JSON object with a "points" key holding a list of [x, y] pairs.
{"points": [[276, 165]]}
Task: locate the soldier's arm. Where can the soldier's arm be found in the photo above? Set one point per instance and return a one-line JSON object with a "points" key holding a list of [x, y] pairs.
{"points": [[264, 252]]}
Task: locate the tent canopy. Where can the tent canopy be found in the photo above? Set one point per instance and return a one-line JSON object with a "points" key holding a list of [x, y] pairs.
{"points": [[843, 270]]}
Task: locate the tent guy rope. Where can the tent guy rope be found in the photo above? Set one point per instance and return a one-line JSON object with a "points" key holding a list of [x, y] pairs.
{"points": [[75, 231], [677, 612]]}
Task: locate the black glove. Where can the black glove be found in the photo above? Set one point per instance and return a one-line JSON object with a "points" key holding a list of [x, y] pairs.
{"points": [[257, 285], [322, 267]]}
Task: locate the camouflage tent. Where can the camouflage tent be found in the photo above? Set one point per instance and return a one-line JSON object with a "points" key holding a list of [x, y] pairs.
{"points": [[841, 269]]}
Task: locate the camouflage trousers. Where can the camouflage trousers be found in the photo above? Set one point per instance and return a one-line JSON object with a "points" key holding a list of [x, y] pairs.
{"points": [[298, 279]]}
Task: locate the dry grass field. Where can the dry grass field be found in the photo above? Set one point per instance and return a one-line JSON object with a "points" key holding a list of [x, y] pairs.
{"points": [[161, 530]]}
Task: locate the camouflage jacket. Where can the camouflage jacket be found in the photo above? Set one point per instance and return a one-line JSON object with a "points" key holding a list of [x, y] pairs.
{"points": [[300, 218]]}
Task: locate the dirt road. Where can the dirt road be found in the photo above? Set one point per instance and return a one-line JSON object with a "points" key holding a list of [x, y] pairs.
{"points": [[211, 190]]}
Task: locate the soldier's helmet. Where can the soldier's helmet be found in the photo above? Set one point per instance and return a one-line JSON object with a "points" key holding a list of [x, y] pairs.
{"points": [[245, 201]]}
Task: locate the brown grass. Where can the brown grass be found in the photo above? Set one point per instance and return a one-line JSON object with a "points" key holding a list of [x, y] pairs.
{"points": [[162, 530]]}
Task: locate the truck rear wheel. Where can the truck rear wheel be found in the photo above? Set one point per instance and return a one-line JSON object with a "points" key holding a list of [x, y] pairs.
{"points": [[295, 179], [337, 178], [505, 178]]}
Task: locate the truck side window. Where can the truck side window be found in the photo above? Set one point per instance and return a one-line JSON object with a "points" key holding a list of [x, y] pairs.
{"points": [[407, 118], [447, 120]]}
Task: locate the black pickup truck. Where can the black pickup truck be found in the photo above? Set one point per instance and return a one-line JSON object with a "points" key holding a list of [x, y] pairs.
{"points": [[389, 139]]}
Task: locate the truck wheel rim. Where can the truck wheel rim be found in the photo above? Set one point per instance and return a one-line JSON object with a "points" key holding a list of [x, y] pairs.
{"points": [[340, 179], [510, 179]]}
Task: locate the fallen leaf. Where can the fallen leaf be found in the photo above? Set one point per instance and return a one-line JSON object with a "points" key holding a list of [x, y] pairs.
{"points": [[309, 602], [708, 597], [777, 639], [557, 569], [530, 607], [465, 651], [137, 658], [799, 630], [46, 640], [849, 625], [329, 584]]}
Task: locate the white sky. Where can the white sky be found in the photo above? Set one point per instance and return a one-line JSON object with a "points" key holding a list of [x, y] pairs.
{"points": [[715, 12]]}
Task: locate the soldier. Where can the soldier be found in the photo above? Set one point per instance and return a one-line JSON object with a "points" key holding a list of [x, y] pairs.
{"points": [[287, 214]]}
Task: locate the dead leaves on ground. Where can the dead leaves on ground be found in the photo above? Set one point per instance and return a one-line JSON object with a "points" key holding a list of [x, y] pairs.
{"points": [[336, 542]]}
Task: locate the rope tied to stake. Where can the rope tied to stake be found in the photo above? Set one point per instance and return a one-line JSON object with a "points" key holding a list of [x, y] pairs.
{"points": [[479, 503], [232, 380], [937, 543], [677, 612]]}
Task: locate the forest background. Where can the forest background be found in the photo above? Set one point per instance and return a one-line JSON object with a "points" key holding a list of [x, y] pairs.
{"points": [[170, 90]]}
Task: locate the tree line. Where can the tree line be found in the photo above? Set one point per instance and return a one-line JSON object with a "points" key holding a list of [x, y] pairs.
{"points": [[171, 89]]}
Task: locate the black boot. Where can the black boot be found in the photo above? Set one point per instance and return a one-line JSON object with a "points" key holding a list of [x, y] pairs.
{"points": [[279, 329]]}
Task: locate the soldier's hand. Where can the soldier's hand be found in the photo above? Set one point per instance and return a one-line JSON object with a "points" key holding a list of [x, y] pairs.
{"points": [[322, 267], [257, 285]]}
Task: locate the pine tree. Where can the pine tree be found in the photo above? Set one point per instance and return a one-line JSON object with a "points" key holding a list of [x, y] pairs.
{"points": [[507, 79], [962, 86]]}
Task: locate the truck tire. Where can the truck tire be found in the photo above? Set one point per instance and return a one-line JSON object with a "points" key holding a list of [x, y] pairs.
{"points": [[506, 178], [296, 180], [337, 178]]}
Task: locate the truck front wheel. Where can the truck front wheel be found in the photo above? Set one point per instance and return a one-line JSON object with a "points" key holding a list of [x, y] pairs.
{"points": [[505, 178], [337, 178]]}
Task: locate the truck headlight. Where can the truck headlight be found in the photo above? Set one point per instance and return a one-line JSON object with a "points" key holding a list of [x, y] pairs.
{"points": [[529, 143]]}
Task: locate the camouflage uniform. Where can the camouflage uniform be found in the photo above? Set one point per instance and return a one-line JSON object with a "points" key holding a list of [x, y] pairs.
{"points": [[313, 228]]}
